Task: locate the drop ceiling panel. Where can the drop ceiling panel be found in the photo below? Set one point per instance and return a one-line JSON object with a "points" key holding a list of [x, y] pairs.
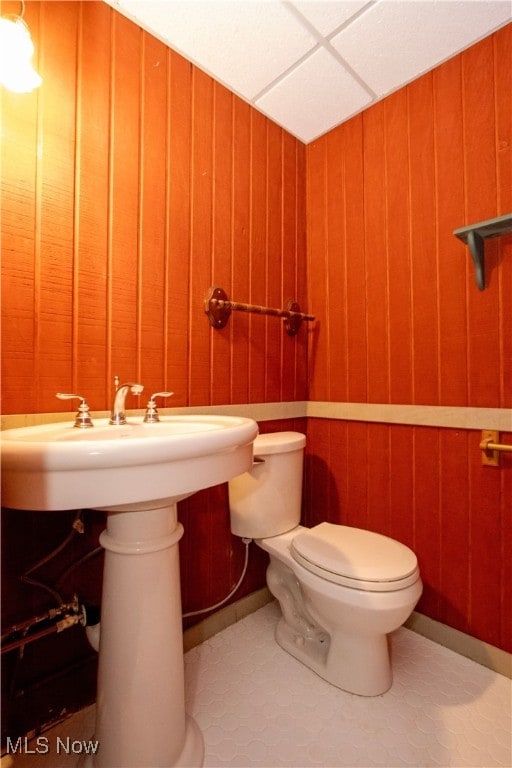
{"points": [[327, 16], [316, 95], [311, 64], [244, 44], [395, 41]]}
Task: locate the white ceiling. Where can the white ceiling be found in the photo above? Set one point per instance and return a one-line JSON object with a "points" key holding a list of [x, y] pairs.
{"points": [[309, 65]]}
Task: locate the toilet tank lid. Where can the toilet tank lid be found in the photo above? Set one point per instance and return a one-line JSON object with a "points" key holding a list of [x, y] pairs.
{"points": [[278, 442], [355, 553]]}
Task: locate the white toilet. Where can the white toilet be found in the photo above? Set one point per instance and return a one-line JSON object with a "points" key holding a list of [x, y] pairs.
{"points": [[341, 590]]}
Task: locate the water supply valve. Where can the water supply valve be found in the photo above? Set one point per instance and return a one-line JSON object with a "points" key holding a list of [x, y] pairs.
{"points": [[83, 418], [151, 416]]}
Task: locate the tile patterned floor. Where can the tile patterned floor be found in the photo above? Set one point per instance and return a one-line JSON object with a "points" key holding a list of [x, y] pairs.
{"points": [[258, 706]]}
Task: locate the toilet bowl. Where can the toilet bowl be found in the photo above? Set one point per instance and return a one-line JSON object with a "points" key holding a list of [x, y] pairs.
{"points": [[341, 590]]}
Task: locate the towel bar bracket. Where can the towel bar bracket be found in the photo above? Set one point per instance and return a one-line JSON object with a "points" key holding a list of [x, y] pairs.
{"points": [[215, 307], [491, 448]]}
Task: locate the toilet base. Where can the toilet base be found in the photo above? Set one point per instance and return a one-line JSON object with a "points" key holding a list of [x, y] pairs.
{"points": [[339, 632], [359, 665], [348, 655]]}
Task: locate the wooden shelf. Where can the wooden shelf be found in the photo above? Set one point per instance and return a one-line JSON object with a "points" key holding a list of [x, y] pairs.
{"points": [[474, 236]]}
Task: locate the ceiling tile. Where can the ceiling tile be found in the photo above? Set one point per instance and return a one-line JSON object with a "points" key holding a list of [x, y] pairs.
{"points": [[246, 44], [314, 97], [326, 15], [395, 41]]}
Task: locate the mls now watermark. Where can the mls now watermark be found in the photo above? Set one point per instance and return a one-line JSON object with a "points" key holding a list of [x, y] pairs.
{"points": [[42, 745]]}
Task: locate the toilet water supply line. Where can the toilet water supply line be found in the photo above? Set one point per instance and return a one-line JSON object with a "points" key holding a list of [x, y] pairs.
{"points": [[242, 577]]}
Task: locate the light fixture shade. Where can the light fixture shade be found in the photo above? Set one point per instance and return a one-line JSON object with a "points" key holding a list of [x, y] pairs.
{"points": [[16, 51]]}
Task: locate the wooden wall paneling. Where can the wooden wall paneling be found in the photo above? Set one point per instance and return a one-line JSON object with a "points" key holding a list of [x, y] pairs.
{"points": [[258, 261], [341, 510], [318, 357], [56, 169], [123, 311], [336, 326], [398, 239], [455, 541], [211, 534], [504, 310], [485, 530], [377, 272], [379, 473], [92, 206], [506, 554], [186, 549], [401, 484], [503, 100], [356, 255], [274, 331], [20, 241], [308, 477], [455, 263], [427, 529], [196, 550], [502, 44], [179, 119], [481, 203], [152, 230], [335, 469], [318, 471], [424, 257], [222, 244], [241, 330], [358, 445], [301, 366], [227, 552], [201, 237], [478, 77], [289, 259]]}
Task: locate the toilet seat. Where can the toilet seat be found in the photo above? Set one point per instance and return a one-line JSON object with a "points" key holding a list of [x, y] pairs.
{"points": [[355, 558]]}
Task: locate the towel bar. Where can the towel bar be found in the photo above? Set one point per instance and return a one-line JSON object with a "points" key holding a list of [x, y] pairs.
{"points": [[218, 308]]}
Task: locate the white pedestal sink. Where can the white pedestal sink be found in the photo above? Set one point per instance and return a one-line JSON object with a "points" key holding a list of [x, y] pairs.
{"points": [[135, 473]]}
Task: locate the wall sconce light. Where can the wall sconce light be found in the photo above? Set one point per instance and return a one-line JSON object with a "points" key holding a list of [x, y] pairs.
{"points": [[16, 51]]}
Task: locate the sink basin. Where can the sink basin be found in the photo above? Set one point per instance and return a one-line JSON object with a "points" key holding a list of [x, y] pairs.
{"points": [[56, 466]]}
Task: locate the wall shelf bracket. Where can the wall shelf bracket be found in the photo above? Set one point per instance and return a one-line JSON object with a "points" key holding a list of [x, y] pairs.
{"points": [[475, 234]]}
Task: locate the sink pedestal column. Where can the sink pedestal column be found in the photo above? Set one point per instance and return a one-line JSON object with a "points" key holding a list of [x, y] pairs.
{"points": [[140, 717]]}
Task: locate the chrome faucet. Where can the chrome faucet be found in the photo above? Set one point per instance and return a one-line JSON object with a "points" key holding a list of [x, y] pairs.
{"points": [[117, 415]]}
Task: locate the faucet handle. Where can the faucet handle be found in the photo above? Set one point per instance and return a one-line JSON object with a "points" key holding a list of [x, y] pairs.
{"points": [[151, 416], [82, 418]]}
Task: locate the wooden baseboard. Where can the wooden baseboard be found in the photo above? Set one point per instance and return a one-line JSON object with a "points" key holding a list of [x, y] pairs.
{"points": [[487, 655], [225, 617]]}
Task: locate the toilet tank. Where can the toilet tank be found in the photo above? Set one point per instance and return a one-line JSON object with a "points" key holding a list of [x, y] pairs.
{"points": [[266, 501]]}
